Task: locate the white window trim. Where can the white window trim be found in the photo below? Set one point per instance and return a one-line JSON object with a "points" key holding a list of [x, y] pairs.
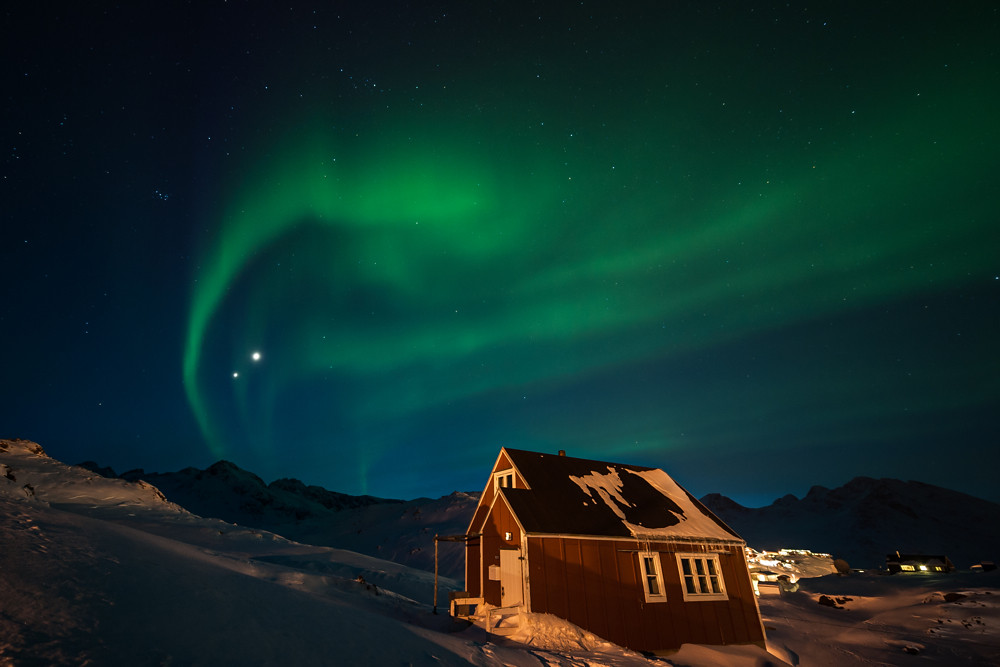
{"points": [[654, 558], [701, 596], [508, 473]]}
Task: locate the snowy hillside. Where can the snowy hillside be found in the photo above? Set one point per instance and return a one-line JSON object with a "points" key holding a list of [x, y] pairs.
{"points": [[106, 572], [866, 519], [87, 555], [396, 530]]}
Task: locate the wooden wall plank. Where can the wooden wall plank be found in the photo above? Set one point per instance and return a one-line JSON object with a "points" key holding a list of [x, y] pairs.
{"points": [[613, 592], [593, 587], [596, 584]]}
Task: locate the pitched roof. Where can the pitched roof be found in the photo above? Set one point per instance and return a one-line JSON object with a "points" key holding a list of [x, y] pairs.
{"points": [[571, 496], [914, 558]]}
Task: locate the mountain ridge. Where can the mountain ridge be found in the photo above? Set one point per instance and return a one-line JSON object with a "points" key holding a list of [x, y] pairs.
{"points": [[398, 530], [867, 518], [860, 521]]}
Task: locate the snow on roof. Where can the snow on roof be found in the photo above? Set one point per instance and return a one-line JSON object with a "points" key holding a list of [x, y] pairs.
{"points": [[572, 496], [608, 487], [689, 520], [694, 520]]}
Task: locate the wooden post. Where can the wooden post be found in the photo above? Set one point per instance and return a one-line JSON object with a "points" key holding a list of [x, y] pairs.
{"points": [[445, 538]]}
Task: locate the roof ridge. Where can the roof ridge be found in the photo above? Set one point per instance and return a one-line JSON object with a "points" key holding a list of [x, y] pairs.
{"points": [[631, 466]]}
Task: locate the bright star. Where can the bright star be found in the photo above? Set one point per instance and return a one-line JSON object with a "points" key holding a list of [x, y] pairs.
{"points": [[255, 356]]}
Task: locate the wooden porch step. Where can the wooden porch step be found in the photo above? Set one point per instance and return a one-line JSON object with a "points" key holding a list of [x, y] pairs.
{"points": [[505, 624]]}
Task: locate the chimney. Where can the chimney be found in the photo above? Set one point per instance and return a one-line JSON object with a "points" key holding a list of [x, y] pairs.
{"points": [[562, 452]]}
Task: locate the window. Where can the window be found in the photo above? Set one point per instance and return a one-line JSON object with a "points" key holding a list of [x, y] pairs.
{"points": [[504, 478], [652, 576], [701, 577]]}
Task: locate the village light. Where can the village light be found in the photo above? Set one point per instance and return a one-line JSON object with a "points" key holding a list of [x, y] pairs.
{"points": [[923, 568]]}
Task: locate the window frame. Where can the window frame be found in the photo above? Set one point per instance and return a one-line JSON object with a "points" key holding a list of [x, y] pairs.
{"points": [[698, 577], [646, 557], [503, 474]]}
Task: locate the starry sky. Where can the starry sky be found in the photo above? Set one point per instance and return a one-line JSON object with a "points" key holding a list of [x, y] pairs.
{"points": [[368, 244]]}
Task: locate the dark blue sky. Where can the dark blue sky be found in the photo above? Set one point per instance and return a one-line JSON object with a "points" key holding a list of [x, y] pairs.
{"points": [[754, 246]]}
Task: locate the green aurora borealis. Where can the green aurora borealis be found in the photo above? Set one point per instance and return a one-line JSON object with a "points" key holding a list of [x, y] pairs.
{"points": [[754, 245], [403, 266]]}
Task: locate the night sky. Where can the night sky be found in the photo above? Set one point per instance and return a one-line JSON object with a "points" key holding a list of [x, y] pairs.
{"points": [[368, 244]]}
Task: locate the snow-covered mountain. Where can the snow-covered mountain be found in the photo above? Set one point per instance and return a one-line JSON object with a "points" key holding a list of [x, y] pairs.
{"points": [[396, 530], [867, 518], [104, 571], [860, 522]]}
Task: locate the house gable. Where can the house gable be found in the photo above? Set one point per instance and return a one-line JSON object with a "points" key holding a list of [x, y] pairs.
{"points": [[502, 467]]}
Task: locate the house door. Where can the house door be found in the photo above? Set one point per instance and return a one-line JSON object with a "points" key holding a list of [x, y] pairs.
{"points": [[510, 578]]}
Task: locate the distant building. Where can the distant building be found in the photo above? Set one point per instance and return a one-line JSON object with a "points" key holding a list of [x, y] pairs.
{"points": [[793, 564], [620, 550], [916, 563]]}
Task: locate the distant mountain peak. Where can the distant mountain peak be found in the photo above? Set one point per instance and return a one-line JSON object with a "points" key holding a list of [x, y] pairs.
{"points": [[230, 471], [816, 492], [867, 518], [717, 501], [785, 500]]}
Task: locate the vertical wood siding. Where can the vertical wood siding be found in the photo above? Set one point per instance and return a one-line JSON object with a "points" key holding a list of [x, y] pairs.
{"points": [[473, 580], [595, 584]]}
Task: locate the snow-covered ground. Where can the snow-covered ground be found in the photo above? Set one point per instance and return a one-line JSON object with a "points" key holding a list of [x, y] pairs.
{"points": [[103, 571], [941, 619]]}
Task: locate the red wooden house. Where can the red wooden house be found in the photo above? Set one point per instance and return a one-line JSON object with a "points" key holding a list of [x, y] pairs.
{"points": [[620, 550]]}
